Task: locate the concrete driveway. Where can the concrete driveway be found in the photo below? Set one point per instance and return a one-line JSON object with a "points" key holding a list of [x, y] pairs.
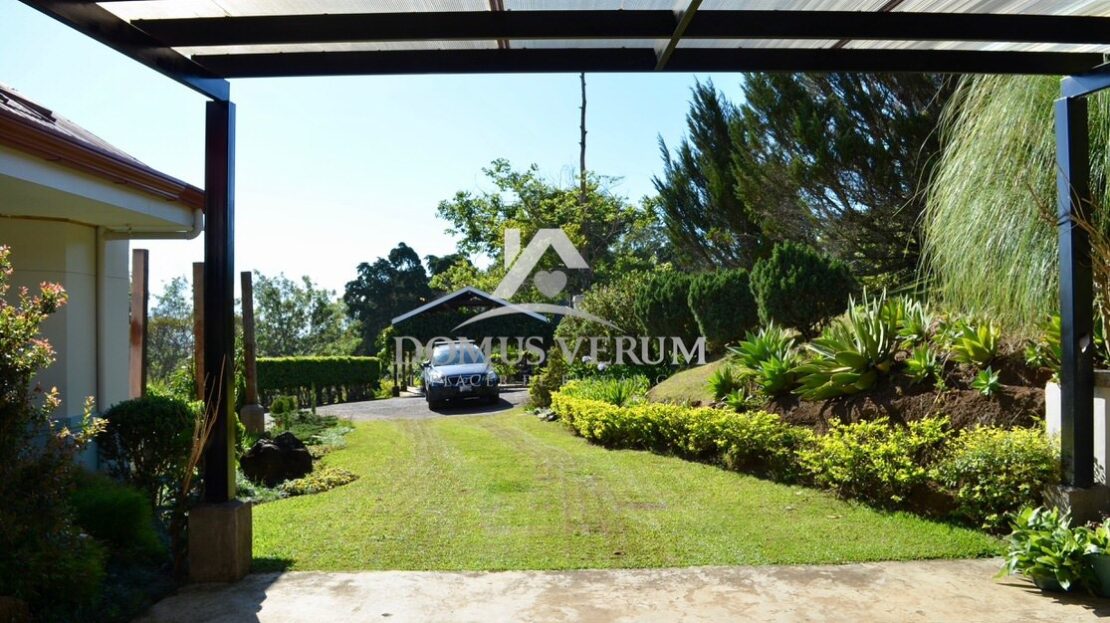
{"points": [[957, 591], [410, 407]]}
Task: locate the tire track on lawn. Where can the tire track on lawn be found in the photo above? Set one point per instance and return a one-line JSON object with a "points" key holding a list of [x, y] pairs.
{"points": [[588, 505]]}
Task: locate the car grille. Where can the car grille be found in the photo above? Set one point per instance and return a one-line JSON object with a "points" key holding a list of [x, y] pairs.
{"points": [[464, 379]]}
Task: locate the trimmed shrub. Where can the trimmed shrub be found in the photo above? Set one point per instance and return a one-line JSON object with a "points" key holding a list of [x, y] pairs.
{"points": [[723, 306], [117, 515], [798, 287], [334, 379], [751, 441], [322, 479], [874, 460], [663, 306], [995, 471], [147, 442]]}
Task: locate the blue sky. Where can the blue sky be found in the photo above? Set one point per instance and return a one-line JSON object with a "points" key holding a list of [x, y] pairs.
{"points": [[335, 171]]}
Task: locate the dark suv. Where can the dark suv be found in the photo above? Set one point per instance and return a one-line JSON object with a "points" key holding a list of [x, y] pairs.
{"points": [[459, 370]]}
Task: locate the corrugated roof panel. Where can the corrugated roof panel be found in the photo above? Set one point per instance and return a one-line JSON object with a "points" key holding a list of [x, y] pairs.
{"points": [[977, 46], [358, 46], [555, 44], [168, 9], [726, 44], [791, 5], [1030, 7]]}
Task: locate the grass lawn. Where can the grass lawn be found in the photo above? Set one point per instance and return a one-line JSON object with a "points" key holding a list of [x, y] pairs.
{"points": [[510, 492], [687, 386]]}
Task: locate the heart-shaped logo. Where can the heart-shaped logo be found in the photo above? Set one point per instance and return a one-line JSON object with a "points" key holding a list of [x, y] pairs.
{"points": [[550, 283]]}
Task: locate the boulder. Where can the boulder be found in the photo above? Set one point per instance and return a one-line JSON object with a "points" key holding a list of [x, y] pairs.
{"points": [[272, 461]]}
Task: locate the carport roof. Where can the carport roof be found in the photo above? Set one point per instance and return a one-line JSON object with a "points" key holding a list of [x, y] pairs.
{"points": [[204, 42]]}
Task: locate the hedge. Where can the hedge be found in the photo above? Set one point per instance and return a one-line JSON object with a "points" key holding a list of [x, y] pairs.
{"points": [[335, 379], [874, 461], [800, 288]]}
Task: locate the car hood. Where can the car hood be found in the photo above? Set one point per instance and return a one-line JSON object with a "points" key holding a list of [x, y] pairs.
{"points": [[462, 368]]}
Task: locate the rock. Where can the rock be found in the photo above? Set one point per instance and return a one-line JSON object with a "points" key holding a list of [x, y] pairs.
{"points": [[273, 461]]}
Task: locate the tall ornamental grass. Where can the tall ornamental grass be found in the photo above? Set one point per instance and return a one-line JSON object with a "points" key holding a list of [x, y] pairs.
{"points": [[990, 243]]}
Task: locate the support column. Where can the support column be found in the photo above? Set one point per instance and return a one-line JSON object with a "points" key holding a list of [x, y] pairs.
{"points": [[219, 299], [140, 312], [1076, 294], [220, 527]]}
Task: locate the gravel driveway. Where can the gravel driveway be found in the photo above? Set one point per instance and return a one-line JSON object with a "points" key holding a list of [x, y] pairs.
{"points": [[416, 408]]}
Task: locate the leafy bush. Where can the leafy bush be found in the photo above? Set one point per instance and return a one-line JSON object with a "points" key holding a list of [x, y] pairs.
{"points": [[333, 379], [321, 479], [615, 391], [283, 404], [769, 359], [119, 516], [994, 471], [723, 382], [1045, 548], [874, 460], [147, 442], [851, 354], [549, 380], [976, 343], [663, 306], [723, 306], [986, 381], [614, 301], [44, 560], [799, 288]]}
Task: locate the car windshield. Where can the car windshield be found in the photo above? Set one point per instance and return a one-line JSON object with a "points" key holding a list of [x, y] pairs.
{"points": [[454, 354]]}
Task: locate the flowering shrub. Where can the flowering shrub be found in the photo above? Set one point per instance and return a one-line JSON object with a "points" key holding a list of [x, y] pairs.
{"points": [[44, 559]]}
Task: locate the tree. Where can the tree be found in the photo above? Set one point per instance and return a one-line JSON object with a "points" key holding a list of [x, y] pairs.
{"points": [[170, 331], [385, 289], [439, 264], [705, 220], [298, 319], [799, 288], [605, 228], [842, 160]]}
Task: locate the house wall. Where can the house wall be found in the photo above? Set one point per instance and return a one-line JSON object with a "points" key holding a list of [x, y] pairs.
{"points": [[67, 253]]}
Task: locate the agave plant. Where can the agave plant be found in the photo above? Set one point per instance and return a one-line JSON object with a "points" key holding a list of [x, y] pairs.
{"points": [[976, 343], [922, 364], [911, 318], [851, 354], [986, 382], [768, 359], [723, 382]]}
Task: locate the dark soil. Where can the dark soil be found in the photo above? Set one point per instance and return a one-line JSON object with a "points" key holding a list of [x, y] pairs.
{"points": [[1020, 401]]}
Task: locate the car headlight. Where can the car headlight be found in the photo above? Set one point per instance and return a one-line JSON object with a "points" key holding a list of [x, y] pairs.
{"points": [[491, 376], [435, 376]]}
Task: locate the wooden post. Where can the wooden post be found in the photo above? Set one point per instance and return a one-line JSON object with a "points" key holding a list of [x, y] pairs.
{"points": [[252, 415], [140, 307], [198, 328]]}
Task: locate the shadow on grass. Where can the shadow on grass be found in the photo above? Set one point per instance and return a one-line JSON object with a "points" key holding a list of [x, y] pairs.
{"points": [[270, 565]]}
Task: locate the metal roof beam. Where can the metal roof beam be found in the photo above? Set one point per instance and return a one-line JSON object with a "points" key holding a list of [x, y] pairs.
{"points": [[684, 16], [644, 59], [103, 26], [477, 25]]}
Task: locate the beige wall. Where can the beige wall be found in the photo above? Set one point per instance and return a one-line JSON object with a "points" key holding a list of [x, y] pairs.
{"points": [[67, 253]]}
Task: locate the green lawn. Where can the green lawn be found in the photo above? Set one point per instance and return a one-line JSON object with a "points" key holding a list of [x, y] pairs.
{"points": [[510, 492], [688, 386]]}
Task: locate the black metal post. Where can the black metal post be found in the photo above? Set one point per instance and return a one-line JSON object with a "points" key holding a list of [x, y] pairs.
{"points": [[219, 299], [1076, 293]]}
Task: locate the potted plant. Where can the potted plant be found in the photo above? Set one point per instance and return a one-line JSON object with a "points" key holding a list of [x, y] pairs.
{"points": [[1098, 556], [1046, 549]]}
